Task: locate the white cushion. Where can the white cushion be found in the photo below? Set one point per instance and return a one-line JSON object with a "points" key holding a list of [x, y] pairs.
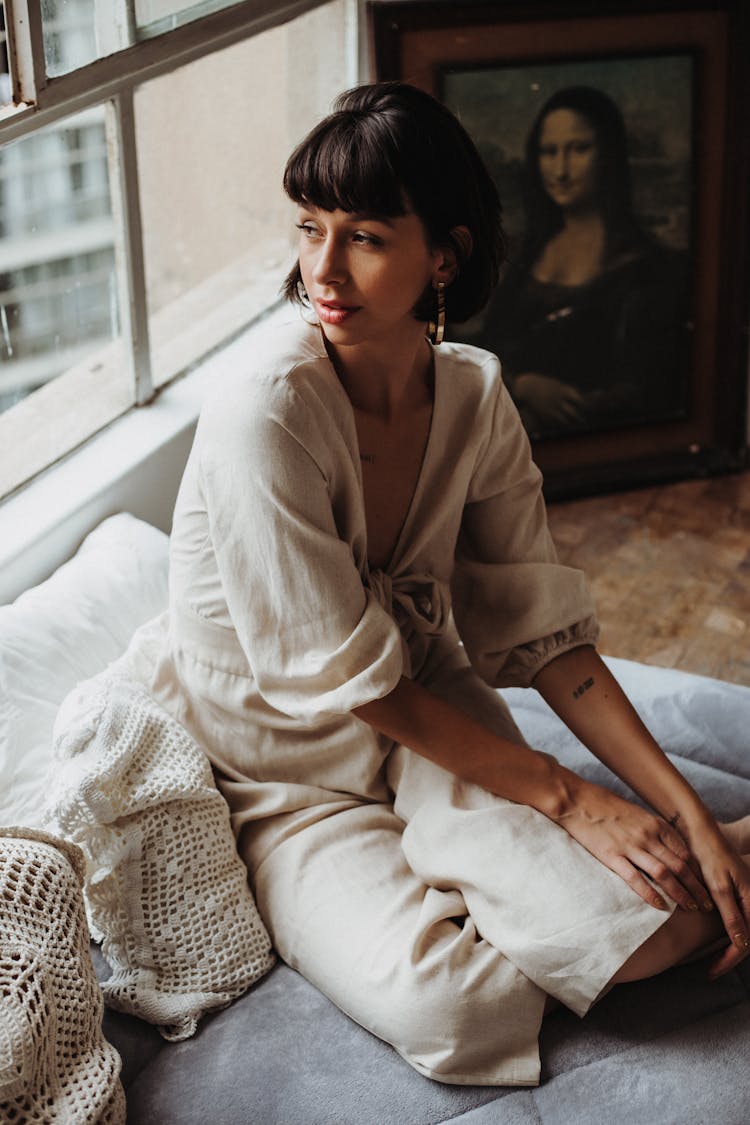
{"points": [[63, 631]]}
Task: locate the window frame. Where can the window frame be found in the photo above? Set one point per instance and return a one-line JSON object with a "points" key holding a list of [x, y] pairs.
{"points": [[139, 56]]}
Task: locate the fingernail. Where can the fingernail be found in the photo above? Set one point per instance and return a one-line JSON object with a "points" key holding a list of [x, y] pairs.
{"points": [[740, 941], [708, 905], [659, 903], [692, 906]]}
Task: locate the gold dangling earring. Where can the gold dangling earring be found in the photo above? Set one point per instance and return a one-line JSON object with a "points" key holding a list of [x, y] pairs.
{"points": [[436, 329]]}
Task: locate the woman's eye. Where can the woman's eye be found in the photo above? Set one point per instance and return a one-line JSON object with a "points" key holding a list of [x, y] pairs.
{"points": [[369, 239], [307, 228], [582, 147]]}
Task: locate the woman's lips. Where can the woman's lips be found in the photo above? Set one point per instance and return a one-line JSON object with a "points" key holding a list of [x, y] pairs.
{"points": [[332, 312], [560, 185]]}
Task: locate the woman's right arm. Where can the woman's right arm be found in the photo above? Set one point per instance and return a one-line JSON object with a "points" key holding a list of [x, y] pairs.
{"points": [[444, 734], [441, 732]]}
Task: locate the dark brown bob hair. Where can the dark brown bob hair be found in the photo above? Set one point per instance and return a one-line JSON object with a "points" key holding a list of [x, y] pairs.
{"points": [[388, 148]]}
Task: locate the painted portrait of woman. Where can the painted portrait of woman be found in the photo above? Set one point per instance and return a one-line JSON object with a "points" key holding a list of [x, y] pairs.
{"points": [[591, 316]]}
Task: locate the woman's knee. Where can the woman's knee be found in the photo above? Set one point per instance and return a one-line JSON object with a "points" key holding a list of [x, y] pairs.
{"points": [[683, 937], [459, 1023]]}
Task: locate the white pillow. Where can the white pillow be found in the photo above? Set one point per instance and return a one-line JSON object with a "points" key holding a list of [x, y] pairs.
{"points": [[63, 631]]}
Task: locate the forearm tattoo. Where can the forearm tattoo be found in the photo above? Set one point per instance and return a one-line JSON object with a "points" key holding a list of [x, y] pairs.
{"points": [[584, 687], [675, 820]]}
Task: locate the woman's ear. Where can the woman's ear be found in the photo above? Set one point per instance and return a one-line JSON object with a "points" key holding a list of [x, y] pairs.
{"points": [[453, 255]]}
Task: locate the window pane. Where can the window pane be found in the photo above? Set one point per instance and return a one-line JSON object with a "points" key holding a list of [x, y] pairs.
{"points": [[76, 32], [217, 227], [69, 34], [57, 282], [6, 96], [58, 291], [155, 16]]}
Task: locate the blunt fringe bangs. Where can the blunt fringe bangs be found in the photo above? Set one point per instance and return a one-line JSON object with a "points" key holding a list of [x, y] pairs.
{"points": [[390, 148], [341, 166]]}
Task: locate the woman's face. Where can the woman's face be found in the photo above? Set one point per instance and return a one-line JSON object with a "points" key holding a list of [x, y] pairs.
{"points": [[364, 273], [568, 159]]}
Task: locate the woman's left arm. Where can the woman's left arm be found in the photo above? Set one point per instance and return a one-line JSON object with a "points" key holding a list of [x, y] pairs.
{"points": [[579, 687]]}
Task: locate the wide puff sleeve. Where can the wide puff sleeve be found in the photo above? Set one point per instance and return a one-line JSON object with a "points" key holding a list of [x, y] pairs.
{"points": [[273, 473], [515, 605]]}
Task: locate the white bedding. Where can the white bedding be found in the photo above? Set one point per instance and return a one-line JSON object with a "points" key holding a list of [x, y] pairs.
{"points": [[65, 630]]}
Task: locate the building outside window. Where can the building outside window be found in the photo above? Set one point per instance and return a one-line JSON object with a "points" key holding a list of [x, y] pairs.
{"points": [[146, 227], [58, 280]]}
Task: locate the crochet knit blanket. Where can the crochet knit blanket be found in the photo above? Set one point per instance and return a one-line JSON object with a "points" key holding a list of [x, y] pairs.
{"points": [[166, 891], [55, 1065]]}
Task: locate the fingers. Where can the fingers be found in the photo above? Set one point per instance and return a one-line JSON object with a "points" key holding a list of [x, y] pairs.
{"points": [[672, 839], [733, 904], [674, 875], [635, 880], [570, 405], [669, 864], [726, 961], [571, 397]]}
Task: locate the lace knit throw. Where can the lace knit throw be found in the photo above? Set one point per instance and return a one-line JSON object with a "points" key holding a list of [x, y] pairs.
{"points": [[55, 1064], [166, 891]]}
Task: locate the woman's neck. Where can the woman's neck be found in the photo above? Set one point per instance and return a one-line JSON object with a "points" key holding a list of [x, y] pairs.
{"points": [[384, 378], [583, 222]]}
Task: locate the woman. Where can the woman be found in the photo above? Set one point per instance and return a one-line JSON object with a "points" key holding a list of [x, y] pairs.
{"points": [[356, 505], [591, 320]]}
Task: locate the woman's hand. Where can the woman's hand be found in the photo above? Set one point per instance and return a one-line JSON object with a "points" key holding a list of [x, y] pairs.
{"points": [[726, 875], [683, 850], [552, 402], [633, 843]]}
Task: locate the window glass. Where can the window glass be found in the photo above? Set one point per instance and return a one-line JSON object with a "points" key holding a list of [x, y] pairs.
{"points": [[59, 312], [70, 34], [58, 293], [77, 32], [6, 96], [217, 227], [211, 138], [156, 16]]}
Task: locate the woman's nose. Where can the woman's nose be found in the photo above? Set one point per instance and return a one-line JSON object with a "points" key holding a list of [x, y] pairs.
{"points": [[561, 164], [329, 264]]}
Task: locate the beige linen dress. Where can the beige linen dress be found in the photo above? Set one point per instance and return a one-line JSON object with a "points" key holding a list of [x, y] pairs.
{"points": [[437, 915]]}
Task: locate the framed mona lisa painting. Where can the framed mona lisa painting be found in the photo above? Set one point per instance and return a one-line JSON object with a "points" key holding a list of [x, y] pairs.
{"points": [[619, 148]]}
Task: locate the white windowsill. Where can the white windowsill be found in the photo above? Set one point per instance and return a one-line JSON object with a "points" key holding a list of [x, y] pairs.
{"points": [[134, 465]]}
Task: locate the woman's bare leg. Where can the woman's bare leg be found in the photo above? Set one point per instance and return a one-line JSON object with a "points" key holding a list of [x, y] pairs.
{"points": [[684, 936]]}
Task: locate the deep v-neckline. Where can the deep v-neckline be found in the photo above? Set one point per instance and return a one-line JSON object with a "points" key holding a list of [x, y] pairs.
{"points": [[412, 506]]}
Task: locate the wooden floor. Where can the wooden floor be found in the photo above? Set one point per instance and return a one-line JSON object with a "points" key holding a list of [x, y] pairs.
{"points": [[670, 571]]}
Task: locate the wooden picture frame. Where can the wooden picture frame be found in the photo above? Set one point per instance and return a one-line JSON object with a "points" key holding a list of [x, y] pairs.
{"points": [[679, 70]]}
